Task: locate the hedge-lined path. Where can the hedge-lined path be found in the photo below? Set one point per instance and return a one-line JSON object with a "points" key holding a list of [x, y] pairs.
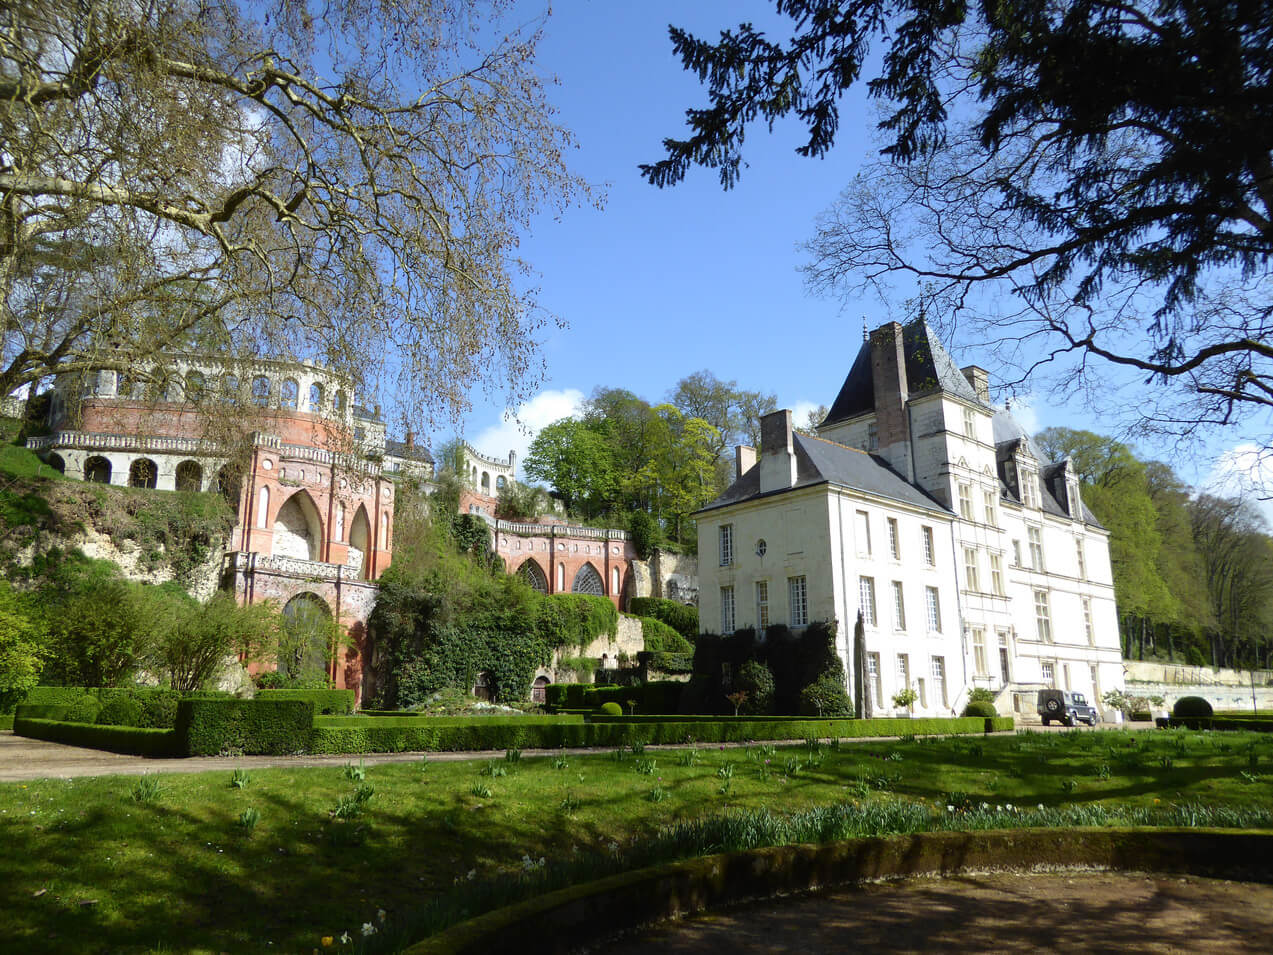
{"points": [[1072, 911], [24, 759]]}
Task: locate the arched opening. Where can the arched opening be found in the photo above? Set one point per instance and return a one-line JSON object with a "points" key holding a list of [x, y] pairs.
{"points": [[360, 543], [315, 398], [533, 576], [56, 463], [341, 402], [486, 483], [229, 485], [260, 391], [614, 580], [263, 507], [539, 690], [142, 473], [189, 476], [308, 639], [384, 531], [484, 687], [561, 576], [289, 394], [500, 483], [588, 581], [230, 389], [298, 530], [340, 523]]}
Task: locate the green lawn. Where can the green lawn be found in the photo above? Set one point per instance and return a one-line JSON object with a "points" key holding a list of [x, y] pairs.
{"points": [[88, 867]]}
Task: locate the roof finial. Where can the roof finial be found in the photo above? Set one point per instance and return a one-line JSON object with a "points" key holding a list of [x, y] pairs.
{"points": [[866, 335]]}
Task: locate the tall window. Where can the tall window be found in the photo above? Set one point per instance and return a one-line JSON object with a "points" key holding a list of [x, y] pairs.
{"points": [[874, 684], [762, 605], [263, 507], [1048, 671], [894, 544], [996, 574], [1082, 558], [930, 554], [980, 662], [1043, 615], [970, 569], [970, 423], [866, 600], [230, 389], [726, 544], [798, 601], [939, 680], [1016, 553], [903, 672], [991, 499], [965, 501], [1035, 535], [260, 391], [1029, 489], [934, 609], [1087, 622], [727, 610], [289, 395], [899, 606], [864, 534], [872, 437]]}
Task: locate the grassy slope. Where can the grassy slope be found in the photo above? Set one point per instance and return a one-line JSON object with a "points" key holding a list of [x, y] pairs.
{"points": [[179, 873], [38, 503]]}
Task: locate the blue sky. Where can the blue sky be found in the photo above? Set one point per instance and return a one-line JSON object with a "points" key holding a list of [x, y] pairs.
{"points": [[661, 283]]}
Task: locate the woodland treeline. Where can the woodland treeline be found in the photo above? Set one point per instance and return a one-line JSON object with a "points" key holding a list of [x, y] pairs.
{"points": [[1193, 572]]}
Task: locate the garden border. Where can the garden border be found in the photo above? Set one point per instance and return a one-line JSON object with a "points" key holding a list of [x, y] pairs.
{"points": [[590, 913]]}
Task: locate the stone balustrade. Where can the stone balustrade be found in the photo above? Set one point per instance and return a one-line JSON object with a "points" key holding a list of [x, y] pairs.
{"points": [[93, 441], [559, 530]]}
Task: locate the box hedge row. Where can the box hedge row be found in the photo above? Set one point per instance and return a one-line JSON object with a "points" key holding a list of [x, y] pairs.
{"points": [[426, 735], [1249, 725], [249, 727], [131, 740], [326, 702]]}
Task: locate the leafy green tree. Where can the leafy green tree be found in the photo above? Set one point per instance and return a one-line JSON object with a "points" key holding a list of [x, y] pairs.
{"points": [[732, 411], [101, 631], [23, 648], [1113, 212], [194, 640], [577, 460]]}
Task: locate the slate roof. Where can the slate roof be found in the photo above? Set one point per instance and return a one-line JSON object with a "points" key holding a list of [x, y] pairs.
{"points": [[400, 449], [929, 368], [819, 461]]}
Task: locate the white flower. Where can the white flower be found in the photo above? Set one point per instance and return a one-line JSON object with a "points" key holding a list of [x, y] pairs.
{"points": [[472, 874], [368, 929], [344, 938], [950, 808], [380, 915], [1008, 806], [1040, 807]]}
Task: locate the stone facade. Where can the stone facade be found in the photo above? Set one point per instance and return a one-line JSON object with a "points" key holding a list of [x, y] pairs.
{"points": [[972, 561]]}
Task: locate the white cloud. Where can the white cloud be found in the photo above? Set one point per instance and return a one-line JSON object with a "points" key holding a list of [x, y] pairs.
{"points": [[801, 410], [517, 429], [1245, 470], [1024, 412]]}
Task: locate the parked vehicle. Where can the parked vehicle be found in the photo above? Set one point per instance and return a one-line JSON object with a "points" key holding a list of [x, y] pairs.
{"points": [[1064, 707]]}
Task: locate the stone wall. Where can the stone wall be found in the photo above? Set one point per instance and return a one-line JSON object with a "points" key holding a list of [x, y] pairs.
{"points": [[605, 649], [1223, 689]]}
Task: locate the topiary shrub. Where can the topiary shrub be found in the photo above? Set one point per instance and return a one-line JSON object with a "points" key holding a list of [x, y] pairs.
{"points": [[120, 710], [1191, 706], [981, 695], [680, 617], [826, 696], [610, 709], [979, 708], [756, 680]]}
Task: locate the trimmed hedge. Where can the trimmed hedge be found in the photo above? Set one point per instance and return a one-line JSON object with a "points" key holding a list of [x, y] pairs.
{"points": [[132, 740], [664, 662], [6, 721], [54, 695], [250, 727], [376, 737], [659, 696], [415, 719], [981, 709], [1216, 723], [658, 637], [326, 702]]}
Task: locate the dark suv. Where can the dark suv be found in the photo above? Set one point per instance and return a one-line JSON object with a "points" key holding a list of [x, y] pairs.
{"points": [[1067, 708]]}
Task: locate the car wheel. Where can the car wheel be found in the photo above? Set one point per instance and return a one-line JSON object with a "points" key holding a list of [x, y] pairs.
{"points": [[1053, 706]]}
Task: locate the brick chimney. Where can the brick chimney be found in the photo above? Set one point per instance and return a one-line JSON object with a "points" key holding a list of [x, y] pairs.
{"points": [[979, 378], [888, 373], [777, 452], [744, 460]]}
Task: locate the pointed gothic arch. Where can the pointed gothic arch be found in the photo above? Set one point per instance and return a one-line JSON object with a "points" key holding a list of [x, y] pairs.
{"points": [[360, 543], [533, 576], [298, 528], [588, 581]]}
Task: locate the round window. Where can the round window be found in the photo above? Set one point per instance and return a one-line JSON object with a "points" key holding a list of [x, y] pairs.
{"points": [[761, 547]]}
